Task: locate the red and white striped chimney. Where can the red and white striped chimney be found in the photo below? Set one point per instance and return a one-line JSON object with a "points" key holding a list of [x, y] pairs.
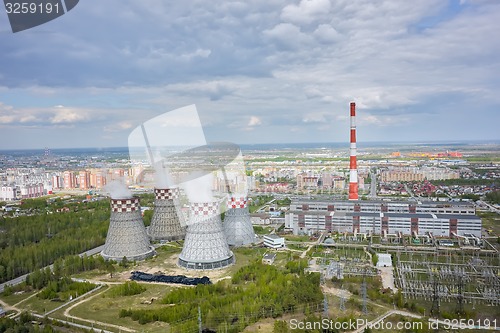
{"points": [[353, 169]]}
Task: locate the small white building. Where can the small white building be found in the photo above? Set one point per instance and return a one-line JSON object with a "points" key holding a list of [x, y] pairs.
{"points": [[269, 258], [274, 241], [384, 260]]}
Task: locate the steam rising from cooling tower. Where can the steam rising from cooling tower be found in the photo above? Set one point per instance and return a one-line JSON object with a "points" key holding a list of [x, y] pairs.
{"points": [[237, 225], [126, 234], [165, 223], [174, 144], [353, 170], [118, 190], [199, 189], [163, 178], [205, 246]]}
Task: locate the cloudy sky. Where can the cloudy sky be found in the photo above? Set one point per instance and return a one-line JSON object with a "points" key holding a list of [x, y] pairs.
{"points": [[260, 71]]}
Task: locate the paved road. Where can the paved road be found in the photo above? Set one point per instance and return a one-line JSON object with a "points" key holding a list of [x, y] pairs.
{"points": [[22, 278]]}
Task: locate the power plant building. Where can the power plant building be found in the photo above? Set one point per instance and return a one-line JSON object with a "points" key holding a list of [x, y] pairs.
{"points": [[384, 217], [274, 241]]}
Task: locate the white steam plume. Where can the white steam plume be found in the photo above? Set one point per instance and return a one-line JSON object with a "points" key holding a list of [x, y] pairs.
{"points": [[200, 188], [162, 176], [118, 190]]}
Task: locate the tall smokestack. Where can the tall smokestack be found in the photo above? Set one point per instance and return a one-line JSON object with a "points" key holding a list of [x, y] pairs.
{"points": [[353, 169]]}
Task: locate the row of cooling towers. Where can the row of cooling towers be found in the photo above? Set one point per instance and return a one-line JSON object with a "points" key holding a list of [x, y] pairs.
{"points": [[206, 238]]}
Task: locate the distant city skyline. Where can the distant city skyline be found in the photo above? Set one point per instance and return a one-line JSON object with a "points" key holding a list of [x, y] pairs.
{"points": [[259, 73]]}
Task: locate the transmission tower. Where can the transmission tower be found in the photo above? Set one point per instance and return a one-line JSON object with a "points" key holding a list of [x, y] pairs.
{"points": [[363, 292], [460, 297], [435, 295], [342, 300], [325, 307]]}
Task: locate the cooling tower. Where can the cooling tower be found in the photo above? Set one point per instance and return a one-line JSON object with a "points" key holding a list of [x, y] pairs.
{"points": [[165, 223], [237, 225], [126, 234], [205, 246]]}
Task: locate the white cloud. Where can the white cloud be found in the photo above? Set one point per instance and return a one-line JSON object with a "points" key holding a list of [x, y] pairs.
{"points": [[64, 115], [306, 12], [214, 90], [254, 121], [315, 118], [120, 126], [286, 64], [287, 35], [325, 33], [7, 119], [28, 119], [383, 121], [202, 53]]}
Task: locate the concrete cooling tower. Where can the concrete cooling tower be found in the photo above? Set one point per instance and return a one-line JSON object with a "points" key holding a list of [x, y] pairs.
{"points": [[126, 234], [165, 223], [205, 246], [237, 225]]}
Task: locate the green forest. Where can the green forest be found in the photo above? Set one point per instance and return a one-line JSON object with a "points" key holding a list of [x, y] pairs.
{"points": [[493, 197], [129, 288], [28, 243], [25, 324], [256, 291]]}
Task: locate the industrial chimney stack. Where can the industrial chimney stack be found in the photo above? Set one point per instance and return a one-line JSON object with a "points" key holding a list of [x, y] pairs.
{"points": [[353, 169]]}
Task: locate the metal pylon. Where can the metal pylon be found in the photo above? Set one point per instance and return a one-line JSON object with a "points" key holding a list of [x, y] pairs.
{"points": [[435, 296], [363, 292]]}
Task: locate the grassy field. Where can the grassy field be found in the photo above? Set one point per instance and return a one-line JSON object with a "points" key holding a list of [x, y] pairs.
{"points": [[491, 221], [16, 297], [281, 259], [105, 308], [295, 238], [300, 247], [39, 305]]}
